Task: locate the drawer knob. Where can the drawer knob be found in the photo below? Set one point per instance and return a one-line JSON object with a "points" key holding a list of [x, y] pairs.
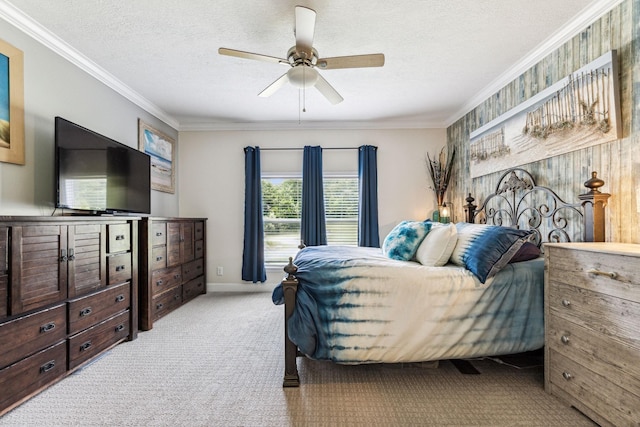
{"points": [[596, 272], [120, 298], [158, 234], [566, 302], [159, 283], [47, 366], [158, 258], [48, 327], [564, 339], [119, 328], [120, 267], [86, 346], [85, 312], [120, 237], [159, 306], [567, 376]]}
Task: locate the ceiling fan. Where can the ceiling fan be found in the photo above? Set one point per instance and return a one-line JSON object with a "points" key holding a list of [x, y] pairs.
{"points": [[305, 61]]}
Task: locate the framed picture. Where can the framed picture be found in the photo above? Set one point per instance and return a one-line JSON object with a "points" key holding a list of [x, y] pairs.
{"points": [[11, 104], [161, 148]]}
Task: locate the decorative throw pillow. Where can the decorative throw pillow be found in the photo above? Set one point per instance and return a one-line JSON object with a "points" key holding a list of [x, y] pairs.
{"points": [[402, 242], [486, 249], [526, 252], [437, 247]]}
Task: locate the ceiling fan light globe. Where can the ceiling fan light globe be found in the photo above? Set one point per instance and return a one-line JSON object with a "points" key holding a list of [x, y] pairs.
{"points": [[302, 76]]}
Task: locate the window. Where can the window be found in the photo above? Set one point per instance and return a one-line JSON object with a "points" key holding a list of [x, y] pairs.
{"points": [[282, 204]]}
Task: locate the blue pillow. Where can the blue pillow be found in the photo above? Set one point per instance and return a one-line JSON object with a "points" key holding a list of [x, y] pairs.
{"points": [[405, 238], [486, 249]]}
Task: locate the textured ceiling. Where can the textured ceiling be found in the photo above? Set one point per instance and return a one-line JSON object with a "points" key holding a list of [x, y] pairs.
{"points": [[442, 57]]}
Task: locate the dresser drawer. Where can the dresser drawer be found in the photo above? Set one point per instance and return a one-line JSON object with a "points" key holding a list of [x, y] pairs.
{"points": [[164, 303], [119, 238], [164, 279], [158, 257], [595, 392], [32, 374], [612, 317], [92, 341], [192, 269], [604, 356], [158, 233], [615, 275], [87, 311], [119, 268], [199, 248], [193, 288], [27, 334], [199, 230]]}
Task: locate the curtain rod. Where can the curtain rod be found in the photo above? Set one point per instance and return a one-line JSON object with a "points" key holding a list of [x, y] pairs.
{"points": [[299, 149]]}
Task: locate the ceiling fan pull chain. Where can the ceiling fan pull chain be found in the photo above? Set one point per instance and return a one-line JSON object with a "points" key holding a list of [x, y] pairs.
{"points": [[304, 90]]}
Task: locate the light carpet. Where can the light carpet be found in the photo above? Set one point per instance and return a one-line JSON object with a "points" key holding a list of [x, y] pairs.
{"points": [[218, 361]]}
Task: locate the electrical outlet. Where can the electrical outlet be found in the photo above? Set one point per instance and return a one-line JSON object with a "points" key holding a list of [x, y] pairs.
{"points": [[220, 271]]}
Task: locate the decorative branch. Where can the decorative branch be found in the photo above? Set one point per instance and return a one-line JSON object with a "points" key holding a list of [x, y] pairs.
{"points": [[440, 172]]}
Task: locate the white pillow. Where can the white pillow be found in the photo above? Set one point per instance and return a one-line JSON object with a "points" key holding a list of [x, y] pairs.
{"points": [[437, 247]]}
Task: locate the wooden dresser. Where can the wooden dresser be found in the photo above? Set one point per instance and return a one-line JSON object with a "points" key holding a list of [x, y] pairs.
{"points": [[68, 292], [592, 321], [172, 265]]}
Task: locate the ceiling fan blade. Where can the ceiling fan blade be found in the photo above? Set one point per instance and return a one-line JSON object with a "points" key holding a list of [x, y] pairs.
{"points": [[273, 87], [353, 61], [249, 55], [328, 91], [305, 27]]}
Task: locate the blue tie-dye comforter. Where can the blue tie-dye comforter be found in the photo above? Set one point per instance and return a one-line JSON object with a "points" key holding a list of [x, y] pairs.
{"points": [[354, 305]]}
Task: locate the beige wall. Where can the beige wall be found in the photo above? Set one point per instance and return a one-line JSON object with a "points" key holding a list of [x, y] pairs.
{"points": [[212, 180], [53, 87]]}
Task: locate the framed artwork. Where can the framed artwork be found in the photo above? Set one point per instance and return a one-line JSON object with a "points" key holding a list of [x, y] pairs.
{"points": [[161, 148], [579, 111], [11, 104]]}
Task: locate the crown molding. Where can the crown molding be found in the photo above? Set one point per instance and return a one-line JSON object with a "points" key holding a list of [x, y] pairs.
{"points": [[309, 125], [566, 33]]}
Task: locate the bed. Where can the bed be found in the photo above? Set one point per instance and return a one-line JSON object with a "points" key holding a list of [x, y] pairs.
{"points": [[435, 291]]}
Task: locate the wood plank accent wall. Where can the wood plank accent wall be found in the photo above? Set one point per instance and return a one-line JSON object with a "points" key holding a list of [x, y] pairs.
{"points": [[617, 162]]}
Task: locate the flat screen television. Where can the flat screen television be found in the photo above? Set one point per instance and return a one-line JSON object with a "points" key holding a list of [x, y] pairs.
{"points": [[95, 173]]}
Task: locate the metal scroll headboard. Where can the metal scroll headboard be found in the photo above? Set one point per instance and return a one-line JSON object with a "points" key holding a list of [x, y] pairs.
{"points": [[520, 203]]}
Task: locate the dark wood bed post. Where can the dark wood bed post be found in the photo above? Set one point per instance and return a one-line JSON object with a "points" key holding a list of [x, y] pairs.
{"points": [[470, 209], [289, 289], [593, 204]]}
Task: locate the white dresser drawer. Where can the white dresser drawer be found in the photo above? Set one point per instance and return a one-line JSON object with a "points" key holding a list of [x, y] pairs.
{"points": [[593, 391], [604, 356], [611, 274], [612, 317]]}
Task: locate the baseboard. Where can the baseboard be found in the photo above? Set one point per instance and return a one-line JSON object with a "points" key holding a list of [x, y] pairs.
{"points": [[240, 287]]}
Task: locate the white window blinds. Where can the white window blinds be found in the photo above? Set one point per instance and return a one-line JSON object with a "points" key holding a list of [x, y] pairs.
{"points": [[282, 202]]}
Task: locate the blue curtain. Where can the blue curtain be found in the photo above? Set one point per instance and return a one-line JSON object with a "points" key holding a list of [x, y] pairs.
{"points": [[253, 268], [368, 198], [313, 230]]}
